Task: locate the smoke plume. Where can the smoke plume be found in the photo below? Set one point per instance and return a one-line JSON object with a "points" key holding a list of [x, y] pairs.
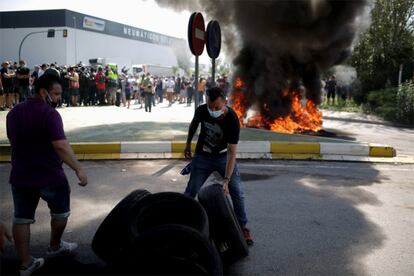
{"points": [[281, 45], [345, 75]]}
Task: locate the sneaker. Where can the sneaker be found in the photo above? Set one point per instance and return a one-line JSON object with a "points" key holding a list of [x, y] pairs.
{"points": [[34, 265], [247, 236], [65, 249]]}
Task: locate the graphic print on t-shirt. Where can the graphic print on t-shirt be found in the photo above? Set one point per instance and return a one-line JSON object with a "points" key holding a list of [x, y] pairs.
{"points": [[214, 136]]}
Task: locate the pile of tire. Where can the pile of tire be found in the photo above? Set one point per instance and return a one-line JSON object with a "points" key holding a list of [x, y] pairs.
{"points": [[165, 233]]}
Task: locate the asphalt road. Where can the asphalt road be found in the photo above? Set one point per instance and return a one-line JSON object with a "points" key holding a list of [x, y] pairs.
{"points": [[307, 218]]}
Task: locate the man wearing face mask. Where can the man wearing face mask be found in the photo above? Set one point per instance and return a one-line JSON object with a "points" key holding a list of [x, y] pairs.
{"points": [[39, 147], [216, 151]]}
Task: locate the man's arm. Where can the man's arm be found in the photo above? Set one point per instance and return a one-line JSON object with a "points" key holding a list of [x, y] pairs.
{"points": [[191, 131], [65, 152], [230, 164]]}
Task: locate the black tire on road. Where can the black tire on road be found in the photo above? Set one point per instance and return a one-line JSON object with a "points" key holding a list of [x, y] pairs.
{"points": [[113, 235], [170, 249], [169, 208], [225, 230]]}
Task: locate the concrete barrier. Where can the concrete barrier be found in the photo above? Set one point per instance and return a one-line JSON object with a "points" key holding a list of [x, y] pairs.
{"points": [[246, 150]]}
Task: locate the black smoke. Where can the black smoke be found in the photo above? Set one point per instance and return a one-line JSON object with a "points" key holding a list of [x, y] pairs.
{"points": [[281, 45]]}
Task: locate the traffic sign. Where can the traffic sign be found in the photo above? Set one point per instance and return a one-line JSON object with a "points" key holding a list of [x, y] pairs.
{"points": [[213, 44], [196, 33]]}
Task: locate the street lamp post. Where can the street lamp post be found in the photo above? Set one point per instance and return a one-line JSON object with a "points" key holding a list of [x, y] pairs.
{"points": [[24, 38], [76, 50], [29, 34]]}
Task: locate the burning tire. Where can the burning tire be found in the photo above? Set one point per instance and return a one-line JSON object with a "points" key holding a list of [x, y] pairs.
{"points": [[112, 235], [224, 228], [170, 249]]}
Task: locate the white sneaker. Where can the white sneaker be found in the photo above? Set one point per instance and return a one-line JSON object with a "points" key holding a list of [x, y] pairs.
{"points": [[34, 265], [65, 249]]}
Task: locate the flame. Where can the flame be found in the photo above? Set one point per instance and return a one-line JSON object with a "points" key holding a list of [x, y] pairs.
{"points": [[302, 117]]}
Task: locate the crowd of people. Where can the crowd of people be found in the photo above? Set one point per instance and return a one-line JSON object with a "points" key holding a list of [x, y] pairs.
{"points": [[89, 86]]}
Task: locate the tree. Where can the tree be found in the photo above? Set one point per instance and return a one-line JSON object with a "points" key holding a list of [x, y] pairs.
{"points": [[386, 45]]}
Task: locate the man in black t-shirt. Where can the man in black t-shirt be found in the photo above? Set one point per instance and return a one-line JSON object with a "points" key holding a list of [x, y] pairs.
{"points": [[23, 76], [216, 151]]}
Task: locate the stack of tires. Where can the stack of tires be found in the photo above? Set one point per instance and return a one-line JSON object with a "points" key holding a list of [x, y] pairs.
{"points": [[166, 234]]}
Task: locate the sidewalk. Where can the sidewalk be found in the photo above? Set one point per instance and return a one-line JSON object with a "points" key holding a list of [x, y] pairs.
{"points": [[112, 132]]}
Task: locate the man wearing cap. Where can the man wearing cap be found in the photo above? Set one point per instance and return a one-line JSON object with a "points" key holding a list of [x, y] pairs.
{"points": [[216, 151]]}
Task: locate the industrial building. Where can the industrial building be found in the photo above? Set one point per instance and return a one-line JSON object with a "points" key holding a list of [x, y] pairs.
{"points": [[80, 37]]}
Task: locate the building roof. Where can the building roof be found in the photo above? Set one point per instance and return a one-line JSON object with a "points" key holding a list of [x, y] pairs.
{"points": [[68, 18]]}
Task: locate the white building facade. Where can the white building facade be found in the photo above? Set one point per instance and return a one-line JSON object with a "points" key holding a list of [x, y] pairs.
{"points": [[87, 38]]}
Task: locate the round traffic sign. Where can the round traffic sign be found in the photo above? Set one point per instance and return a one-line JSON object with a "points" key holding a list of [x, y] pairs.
{"points": [[196, 33], [213, 43]]}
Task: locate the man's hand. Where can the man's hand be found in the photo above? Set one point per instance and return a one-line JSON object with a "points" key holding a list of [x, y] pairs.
{"points": [[4, 234], [187, 151], [226, 186], [83, 179]]}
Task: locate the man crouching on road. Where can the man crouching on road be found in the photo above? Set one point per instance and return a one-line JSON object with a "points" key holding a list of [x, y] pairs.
{"points": [[39, 146], [216, 151]]}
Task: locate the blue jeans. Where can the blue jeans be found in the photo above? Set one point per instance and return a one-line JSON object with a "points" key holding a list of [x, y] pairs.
{"points": [[201, 169]]}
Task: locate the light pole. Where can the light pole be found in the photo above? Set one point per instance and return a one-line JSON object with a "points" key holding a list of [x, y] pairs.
{"points": [[76, 50], [24, 38]]}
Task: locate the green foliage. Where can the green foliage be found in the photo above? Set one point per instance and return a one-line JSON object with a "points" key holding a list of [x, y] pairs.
{"points": [[174, 70], [405, 103], [388, 43]]}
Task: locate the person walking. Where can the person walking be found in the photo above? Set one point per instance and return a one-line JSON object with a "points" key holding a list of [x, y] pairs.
{"points": [[148, 92], [216, 151], [38, 148]]}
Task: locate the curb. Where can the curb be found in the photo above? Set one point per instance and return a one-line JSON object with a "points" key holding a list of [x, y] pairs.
{"points": [[362, 152]]}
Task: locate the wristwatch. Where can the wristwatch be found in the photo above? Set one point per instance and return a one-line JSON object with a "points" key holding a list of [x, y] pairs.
{"points": [[226, 178]]}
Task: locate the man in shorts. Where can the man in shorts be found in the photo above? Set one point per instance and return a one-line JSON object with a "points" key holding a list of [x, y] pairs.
{"points": [[39, 147]]}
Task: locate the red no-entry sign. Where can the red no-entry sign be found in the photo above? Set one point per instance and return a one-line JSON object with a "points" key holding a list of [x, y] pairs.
{"points": [[196, 33]]}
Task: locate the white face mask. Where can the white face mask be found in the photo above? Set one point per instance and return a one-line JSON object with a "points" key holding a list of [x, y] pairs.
{"points": [[215, 114]]}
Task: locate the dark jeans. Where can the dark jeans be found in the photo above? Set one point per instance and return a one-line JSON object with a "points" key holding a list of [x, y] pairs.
{"points": [[84, 96], [202, 167], [160, 95], [66, 96], [148, 101], [24, 92], [101, 96], [92, 96]]}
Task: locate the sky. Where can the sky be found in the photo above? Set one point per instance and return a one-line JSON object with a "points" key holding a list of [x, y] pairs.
{"points": [[145, 14]]}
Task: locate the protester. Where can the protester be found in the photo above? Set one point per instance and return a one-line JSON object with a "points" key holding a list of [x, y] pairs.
{"points": [[112, 79], [331, 89], [39, 146], [170, 90], [148, 92], [6, 79], [216, 151], [73, 86], [23, 76], [100, 86], [201, 90]]}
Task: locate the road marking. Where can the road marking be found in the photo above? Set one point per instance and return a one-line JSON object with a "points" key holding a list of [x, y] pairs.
{"points": [[320, 167]]}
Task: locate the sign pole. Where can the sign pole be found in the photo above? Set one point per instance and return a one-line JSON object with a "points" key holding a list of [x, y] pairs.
{"points": [[196, 96], [196, 41], [213, 71]]}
